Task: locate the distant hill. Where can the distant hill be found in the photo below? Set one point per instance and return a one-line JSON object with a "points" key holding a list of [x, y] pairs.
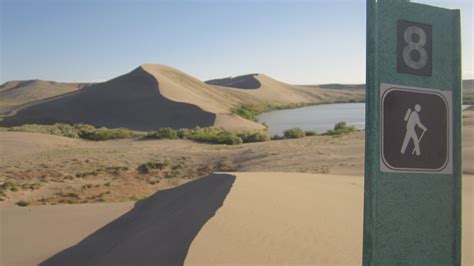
{"points": [[241, 82], [468, 88], [338, 86], [15, 93]]}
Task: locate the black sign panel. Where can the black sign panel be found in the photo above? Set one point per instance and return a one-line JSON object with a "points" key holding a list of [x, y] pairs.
{"points": [[414, 48], [414, 130]]}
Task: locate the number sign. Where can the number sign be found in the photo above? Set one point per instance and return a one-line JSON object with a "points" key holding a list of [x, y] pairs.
{"points": [[414, 48]]}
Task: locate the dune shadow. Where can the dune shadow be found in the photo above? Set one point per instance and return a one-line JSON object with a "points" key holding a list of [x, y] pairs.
{"points": [[157, 231]]}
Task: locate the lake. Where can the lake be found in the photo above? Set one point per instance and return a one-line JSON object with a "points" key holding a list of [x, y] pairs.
{"points": [[316, 117]]}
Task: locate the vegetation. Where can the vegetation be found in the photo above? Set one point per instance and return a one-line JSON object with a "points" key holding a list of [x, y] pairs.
{"points": [[311, 133], [340, 128], [82, 131], [247, 111], [209, 135], [163, 133], [22, 203], [294, 133], [148, 167]]}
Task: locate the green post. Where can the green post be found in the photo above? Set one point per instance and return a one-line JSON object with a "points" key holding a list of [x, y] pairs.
{"points": [[413, 162]]}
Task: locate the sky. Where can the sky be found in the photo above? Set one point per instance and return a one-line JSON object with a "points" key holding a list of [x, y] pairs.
{"points": [[298, 42]]}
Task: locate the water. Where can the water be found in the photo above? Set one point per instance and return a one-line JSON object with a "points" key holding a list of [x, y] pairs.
{"points": [[316, 117]]}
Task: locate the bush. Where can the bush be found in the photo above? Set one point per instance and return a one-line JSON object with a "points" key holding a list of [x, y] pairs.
{"points": [[294, 133], [277, 137], [340, 128], [148, 167], [248, 137], [213, 135], [22, 203], [163, 133], [311, 133], [58, 129], [107, 134], [83, 131], [247, 111]]}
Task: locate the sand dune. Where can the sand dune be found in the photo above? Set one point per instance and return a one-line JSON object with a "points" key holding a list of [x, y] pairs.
{"points": [[154, 96], [132, 100], [15, 93], [240, 82], [252, 218]]}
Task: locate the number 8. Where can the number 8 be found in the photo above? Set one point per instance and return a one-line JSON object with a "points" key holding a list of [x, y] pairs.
{"points": [[417, 46]]}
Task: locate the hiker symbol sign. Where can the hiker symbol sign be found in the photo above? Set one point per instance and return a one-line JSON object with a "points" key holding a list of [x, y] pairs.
{"points": [[415, 130]]}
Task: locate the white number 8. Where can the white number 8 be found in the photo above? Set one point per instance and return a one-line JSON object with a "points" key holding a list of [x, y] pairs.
{"points": [[417, 46]]}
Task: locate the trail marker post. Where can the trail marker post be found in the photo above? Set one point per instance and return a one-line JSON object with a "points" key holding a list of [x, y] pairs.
{"points": [[413, 162]]}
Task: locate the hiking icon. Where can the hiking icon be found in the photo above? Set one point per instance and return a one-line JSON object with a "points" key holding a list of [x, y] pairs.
{"points": [[413, 119]]}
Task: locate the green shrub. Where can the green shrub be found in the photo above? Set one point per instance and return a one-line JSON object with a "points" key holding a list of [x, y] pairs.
{"points": [[248, 137], [294, 133], [163, 133], [104, 133], [277, 137], [58, 129], [83, 131], [22, 203], [214, 135], [340, 128], [311, 133], [247, 111]]}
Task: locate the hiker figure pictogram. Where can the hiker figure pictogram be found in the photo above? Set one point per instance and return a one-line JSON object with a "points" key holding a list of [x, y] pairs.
{"points": [[413, 120]]}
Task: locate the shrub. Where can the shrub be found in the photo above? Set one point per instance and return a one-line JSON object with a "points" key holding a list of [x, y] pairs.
{"points": [[83, 131], [22, 203], [340, 128], [214, 135], [58, 129], [246, 111], [294, 133], [248, 137], [311, 133], [277, 137], [163, 133], [147, 167], [107, 134]]}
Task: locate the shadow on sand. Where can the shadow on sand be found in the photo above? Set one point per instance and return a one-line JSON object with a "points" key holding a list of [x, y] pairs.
{"points": [[157, 231]]}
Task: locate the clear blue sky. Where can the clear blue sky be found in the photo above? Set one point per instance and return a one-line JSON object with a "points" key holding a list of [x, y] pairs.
{"points": [[300, 42]]}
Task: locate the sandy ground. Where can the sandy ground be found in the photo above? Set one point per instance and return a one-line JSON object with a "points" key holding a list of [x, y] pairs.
{"points": [[32, 234], [266, 218], [49, 169]]}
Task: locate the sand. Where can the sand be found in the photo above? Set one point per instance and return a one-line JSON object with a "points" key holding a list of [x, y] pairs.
{"points": [[32, 234], [256, 217], [16, 93]]}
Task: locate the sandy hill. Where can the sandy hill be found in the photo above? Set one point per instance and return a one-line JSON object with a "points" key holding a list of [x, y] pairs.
{"points": [[15, 93], [147, 98], [262, 89], [241, 82], [154, 96]]}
